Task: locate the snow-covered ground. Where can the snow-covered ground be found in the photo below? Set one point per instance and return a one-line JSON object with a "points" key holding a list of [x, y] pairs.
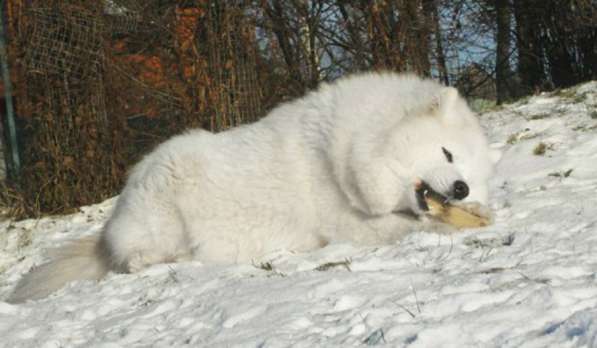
{"points": [[529, 280]]}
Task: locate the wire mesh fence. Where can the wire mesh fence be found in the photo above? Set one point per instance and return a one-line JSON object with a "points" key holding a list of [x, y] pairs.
{"points": [[101, 83], [64, 40]]}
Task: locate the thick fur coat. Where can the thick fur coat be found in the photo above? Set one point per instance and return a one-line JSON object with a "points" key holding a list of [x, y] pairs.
{"points": [[339, 164]]}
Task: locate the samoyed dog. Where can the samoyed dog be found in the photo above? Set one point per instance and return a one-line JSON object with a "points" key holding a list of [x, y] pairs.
{"points": [[339, 164]]}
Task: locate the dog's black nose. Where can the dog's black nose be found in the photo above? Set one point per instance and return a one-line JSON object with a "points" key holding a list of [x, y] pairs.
{"points": [[460, 190]]}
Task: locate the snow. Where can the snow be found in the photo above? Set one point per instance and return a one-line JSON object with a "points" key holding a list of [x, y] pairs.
{"points": [[528, 280]]}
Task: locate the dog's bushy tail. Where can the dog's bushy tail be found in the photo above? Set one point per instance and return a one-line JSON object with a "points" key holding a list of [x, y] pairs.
{"points": [[83, 259]]}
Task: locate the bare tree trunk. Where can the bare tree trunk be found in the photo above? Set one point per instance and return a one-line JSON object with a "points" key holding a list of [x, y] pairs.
{"points": [[414, 36], [503, 50], [275, 13], [531, 62], [358, 47], [308, 27], [399, 36], [430, 8]]}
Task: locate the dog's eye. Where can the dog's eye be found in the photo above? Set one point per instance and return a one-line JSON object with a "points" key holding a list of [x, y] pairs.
{"points": [[448, 155]]}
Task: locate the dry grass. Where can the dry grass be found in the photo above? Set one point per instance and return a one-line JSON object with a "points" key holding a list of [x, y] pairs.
{"points": [[13, 205], [540, 149]]}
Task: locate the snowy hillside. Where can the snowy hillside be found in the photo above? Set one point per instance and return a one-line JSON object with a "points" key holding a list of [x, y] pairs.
{"points": [[529, 280]]}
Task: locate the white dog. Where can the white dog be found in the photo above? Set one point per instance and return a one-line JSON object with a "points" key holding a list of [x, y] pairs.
{"points": [[339, 164]]}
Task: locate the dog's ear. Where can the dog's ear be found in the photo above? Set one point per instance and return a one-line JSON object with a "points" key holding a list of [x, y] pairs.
{"points": [[449, 104]]}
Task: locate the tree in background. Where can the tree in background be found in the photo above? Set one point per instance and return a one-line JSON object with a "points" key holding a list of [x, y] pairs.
{"points": [[556, 41], [124, 75], [503, 15]]}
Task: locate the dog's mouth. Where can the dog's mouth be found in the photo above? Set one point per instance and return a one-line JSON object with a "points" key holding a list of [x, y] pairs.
{"points": [[423, 191], [441, 208]]}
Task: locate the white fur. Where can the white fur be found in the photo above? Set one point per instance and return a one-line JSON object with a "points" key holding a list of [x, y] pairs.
{"points": [[335, 165]]}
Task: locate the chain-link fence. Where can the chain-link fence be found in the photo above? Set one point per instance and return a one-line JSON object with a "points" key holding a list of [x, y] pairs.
{"points": [[100, 83]]}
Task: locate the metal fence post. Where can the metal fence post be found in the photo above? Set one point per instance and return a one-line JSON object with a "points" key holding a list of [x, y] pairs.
{"points": [[14, 166]]}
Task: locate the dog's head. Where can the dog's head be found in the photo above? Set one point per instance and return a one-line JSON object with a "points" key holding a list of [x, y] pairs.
{"points": [[439, 142], [454, 159]]}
